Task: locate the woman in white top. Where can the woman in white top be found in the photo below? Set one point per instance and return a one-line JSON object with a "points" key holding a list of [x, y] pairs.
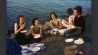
{"points": [[69, 17]]}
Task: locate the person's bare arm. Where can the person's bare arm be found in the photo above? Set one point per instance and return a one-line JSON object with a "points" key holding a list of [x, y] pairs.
{"points": [[16, 30], [40, 29], [70, 21]]}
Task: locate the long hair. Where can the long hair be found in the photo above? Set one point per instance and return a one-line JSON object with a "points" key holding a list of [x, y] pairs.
{"points": [[33, 20], [69, 12], [18, 19], [53, 14]]}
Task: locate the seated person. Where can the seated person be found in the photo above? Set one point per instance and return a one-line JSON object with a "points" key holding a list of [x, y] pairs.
{"points": [[69, 16], [53, 23], [79, 21], [18, 27], [66, 23], [36, 30]]}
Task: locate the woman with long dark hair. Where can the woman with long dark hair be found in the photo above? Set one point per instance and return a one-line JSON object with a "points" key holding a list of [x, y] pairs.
{"points": [[54, 21], [20, 26], [36, 30], [53, 24]]}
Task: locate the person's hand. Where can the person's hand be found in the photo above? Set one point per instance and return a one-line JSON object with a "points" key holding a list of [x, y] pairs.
{"points": [[21, 27], [50, 21]]}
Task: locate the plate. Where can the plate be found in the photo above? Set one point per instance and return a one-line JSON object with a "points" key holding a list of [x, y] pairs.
{"points": [[35, 49], [24, 31], [37, 36], [39, 44], [69, 40], [79, 41]]}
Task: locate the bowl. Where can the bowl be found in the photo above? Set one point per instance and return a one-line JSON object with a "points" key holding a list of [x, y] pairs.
{"points": [[79, 41], [69, 40], [35, 49]]}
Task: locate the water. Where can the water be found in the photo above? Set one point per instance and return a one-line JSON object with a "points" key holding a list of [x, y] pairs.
{"points": [[41, 8]]}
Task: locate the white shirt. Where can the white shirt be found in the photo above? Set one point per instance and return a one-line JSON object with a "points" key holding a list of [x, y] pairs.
{"points": [[71, 18]]}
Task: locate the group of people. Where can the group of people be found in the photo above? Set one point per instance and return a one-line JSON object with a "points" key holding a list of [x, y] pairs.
{"points": [[74, 21]]}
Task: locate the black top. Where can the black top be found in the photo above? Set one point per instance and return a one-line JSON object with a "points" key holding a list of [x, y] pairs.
{"points": [[21, 29], [20, 37], [80, 22]]}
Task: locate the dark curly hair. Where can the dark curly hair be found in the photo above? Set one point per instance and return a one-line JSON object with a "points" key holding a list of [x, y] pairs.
{"points": [[53, 14], [33, 20]]}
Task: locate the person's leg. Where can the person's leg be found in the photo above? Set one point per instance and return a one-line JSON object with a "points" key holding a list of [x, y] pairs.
{"points": [[31, 39], [75, 33], [51, 25], [24, 39], [46, 26], [70, 31], [18, 39], [64, 24]]}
